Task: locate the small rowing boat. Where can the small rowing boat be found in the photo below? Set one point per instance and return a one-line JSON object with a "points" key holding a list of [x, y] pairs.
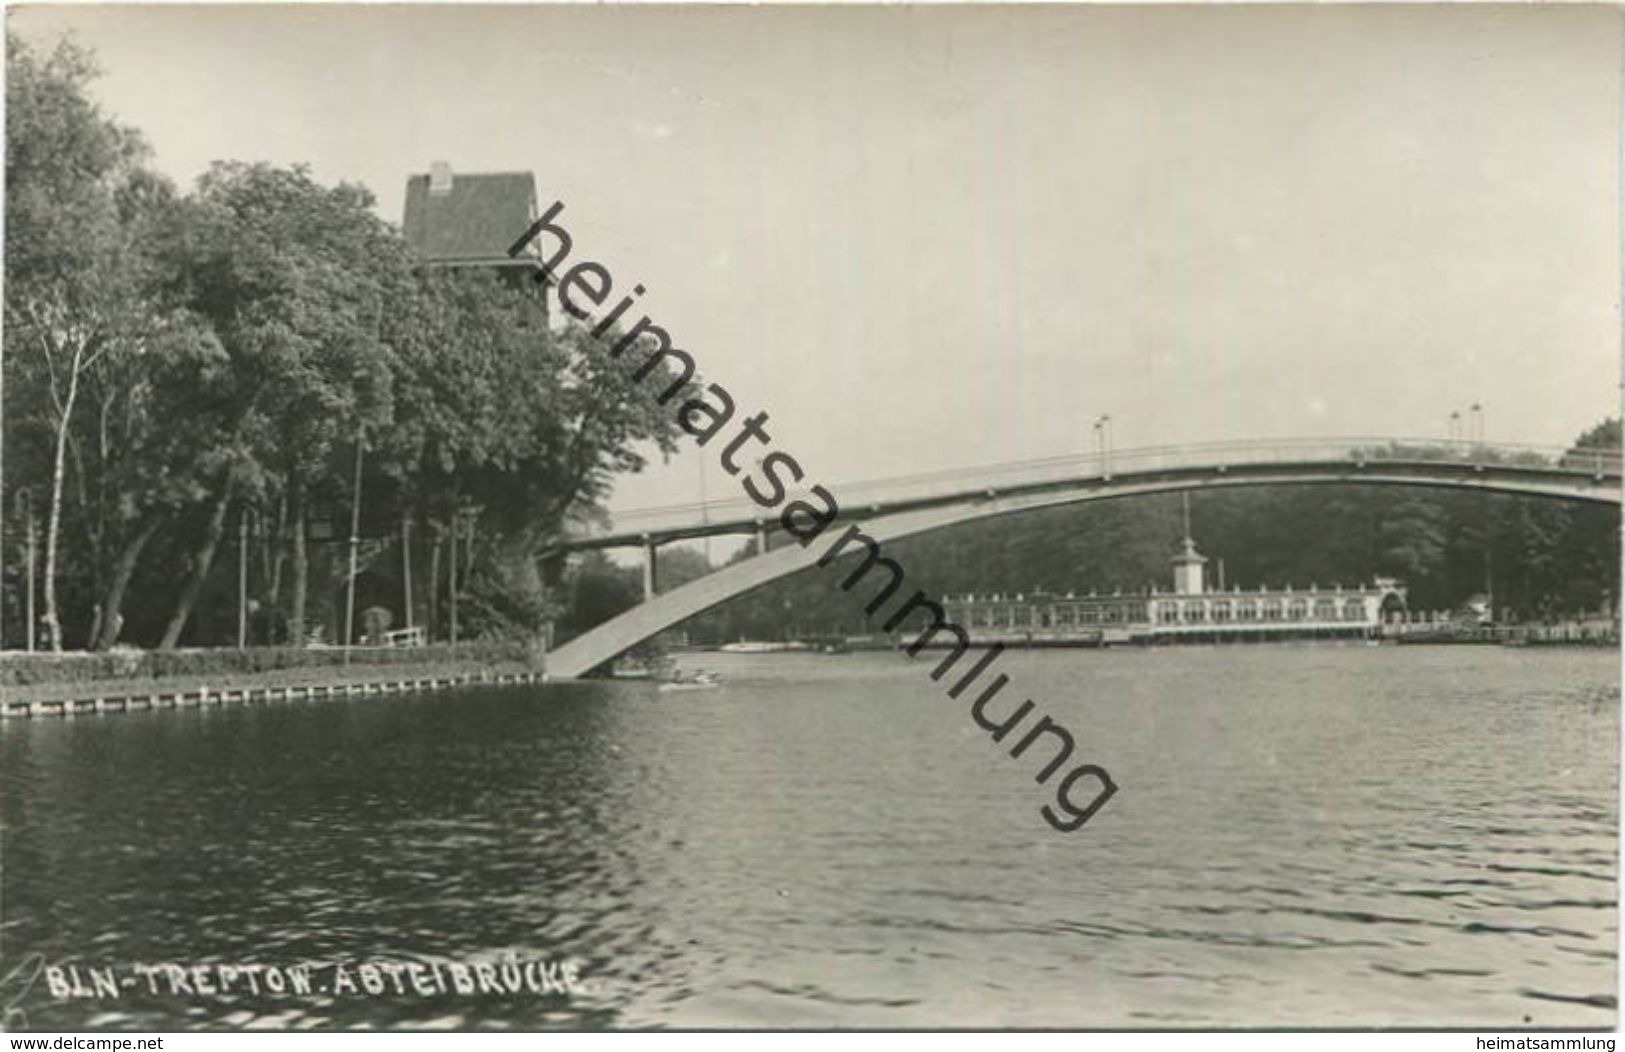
{"points": [[702, 680]]}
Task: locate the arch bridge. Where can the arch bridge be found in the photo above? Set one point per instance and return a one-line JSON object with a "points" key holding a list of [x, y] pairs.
{"points": [[888, 510]]}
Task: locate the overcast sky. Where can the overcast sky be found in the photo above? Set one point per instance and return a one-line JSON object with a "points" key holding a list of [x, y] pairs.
{"points": [[940, 237]]}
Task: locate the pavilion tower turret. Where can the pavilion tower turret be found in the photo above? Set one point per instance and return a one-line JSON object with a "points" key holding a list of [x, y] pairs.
{"points": [[1188, 564]]}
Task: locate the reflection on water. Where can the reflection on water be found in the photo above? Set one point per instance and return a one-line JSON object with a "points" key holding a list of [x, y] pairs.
{"points": [[1305, 836]]}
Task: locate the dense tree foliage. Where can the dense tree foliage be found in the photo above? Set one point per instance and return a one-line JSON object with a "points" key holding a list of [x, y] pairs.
{"points": [[179, 364]]}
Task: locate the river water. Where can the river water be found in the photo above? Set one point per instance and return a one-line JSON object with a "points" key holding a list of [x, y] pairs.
{"points": [[1314, 835]]}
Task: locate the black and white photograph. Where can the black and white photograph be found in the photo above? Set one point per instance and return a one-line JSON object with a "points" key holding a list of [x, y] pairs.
{"points": [[756, 517]]}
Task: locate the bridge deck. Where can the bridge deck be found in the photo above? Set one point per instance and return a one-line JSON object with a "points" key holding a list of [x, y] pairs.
{"points": [[908, 493], [1586, 477]]}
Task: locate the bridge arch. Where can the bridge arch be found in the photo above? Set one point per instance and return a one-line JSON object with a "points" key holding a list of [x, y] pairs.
{"points": [[614, 637]]}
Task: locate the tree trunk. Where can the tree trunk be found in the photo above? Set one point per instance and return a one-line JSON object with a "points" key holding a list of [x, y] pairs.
{"points": [[113, 600], [272, 557], [200, 571], [432, 628], [301, 575], [53, 528]]}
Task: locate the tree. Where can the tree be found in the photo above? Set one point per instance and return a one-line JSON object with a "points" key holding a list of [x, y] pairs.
{"points": [[599, 590], [175, 356], [74, 271], [1587, 563], [521, 428], [292, 277]]}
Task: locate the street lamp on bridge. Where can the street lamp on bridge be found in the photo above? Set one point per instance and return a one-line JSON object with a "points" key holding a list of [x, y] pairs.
{"points": [[705, 511], [1103, 443]]}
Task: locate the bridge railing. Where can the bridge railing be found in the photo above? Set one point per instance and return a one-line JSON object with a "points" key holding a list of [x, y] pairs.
{"points": [[925, 486]]}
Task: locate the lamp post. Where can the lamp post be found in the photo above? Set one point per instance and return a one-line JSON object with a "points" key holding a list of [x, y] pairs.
{"points": [[705, 512], [451, 576], [1477, 412], [406, 566], [355, 544], [761, 528], [1454, 427], [1103, 443], [242, 577], [355, 490]]}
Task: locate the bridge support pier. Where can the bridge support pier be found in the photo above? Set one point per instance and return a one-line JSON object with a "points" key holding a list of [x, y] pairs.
{"points": [[649, 578]]}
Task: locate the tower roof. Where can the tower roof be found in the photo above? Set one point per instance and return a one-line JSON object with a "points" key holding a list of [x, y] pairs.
{"points": [[1188, 554], [453, 218]]}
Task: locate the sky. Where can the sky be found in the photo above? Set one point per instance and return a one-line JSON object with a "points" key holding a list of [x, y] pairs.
{"points": [[926, 238]]}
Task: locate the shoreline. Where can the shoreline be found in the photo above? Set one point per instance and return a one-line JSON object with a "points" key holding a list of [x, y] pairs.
{"points": [[1567, 634], [308, 683]]}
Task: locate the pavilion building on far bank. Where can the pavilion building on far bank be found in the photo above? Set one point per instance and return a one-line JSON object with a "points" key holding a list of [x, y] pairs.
{"points": [[1188, 612]]}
